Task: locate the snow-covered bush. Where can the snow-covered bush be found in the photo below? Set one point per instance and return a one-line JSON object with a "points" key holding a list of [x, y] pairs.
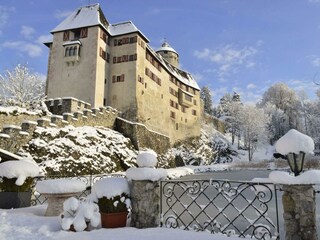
{"points": [[223, 151], [17, 175], [78, 215]]}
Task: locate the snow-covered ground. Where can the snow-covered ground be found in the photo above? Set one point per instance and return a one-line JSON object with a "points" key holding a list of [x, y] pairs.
{"points": [[30, 224]]}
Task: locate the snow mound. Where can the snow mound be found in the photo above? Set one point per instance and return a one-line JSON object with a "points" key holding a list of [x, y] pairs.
{"points": [[150, 174], [79, 213], [55, 186], [19, 169], [147, 159], [72, 151], [179, 172], [294, 142], [279, 177], [109, 187]]}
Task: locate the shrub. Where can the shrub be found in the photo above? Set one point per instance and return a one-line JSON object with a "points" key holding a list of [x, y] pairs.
{"points": [[113, 205], [9, 185]]}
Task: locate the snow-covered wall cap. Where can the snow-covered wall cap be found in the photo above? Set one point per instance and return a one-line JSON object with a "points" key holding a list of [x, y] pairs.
{"points": [[19, 169], [294, 142], [150, 174], [110, 187], [279, 177], [147, 159], [60, 186]]}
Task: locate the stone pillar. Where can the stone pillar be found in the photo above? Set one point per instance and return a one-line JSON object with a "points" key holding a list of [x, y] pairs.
{"points": [[145, 201], [299, 215]]}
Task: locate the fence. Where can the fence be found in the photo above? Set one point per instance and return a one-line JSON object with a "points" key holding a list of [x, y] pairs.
{"points": [[244, 209], [89, 180]]}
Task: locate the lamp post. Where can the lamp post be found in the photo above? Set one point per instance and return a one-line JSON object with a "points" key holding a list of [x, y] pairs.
{"points": [[296, 162]]}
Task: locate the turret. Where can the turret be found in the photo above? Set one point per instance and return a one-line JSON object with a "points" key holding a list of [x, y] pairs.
{"points": [[169, 54]]}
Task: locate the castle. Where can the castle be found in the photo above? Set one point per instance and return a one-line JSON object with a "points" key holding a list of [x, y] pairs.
{"points": [[113, 65]]}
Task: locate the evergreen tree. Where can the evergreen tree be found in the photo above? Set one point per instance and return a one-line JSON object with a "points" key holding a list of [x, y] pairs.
{"points": [[205, 95]]}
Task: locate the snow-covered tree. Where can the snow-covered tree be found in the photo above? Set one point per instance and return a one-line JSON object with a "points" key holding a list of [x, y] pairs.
{"points": [[253, 127], [21, 87], [205, 95], [285, 99]]}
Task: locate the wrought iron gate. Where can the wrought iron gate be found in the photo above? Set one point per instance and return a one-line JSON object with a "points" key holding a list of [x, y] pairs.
{"points": [[245, 209]]}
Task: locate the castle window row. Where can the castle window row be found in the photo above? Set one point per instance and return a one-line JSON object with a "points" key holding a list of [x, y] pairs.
{"points": [[125, 58], [104, 37], [153, 61], [125, 40], [174, 104], [141, 43], [153, 76], [183, 86], [118, 78], [173, 92], [72, 51], [104, 55], [75, 34]]}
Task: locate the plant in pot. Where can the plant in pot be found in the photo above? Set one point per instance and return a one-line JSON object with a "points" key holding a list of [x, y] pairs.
{"points": [[16, 181], [113, 198]]}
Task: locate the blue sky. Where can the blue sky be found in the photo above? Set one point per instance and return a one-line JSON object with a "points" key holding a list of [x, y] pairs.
{"points": [[228, 45]]}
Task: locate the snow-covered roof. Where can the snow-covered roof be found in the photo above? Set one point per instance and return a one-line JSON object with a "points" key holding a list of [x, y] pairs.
{"points": [[124, 28], [92, 15], [179, 74], [83, 17], [166, 47]]}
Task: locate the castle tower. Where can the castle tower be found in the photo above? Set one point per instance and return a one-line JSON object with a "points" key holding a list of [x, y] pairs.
{"points": [[169, 54]]}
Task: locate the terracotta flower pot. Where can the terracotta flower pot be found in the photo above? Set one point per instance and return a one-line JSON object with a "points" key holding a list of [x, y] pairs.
{"points": [[113, 220]]}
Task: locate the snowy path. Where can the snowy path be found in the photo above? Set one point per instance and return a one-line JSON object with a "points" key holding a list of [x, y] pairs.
{"points": [[30, 224]]}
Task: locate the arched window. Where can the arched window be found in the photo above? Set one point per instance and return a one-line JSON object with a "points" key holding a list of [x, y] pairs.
{"points": [[66, 52], [70, 51], [75, 48]]}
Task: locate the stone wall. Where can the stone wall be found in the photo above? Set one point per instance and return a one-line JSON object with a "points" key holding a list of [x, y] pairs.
{"points": [[6, 119], [15, 135], [142, 137], [218, 124]]}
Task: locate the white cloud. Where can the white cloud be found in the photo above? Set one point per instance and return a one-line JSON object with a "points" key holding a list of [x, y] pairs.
{"points": [[33, 50], [4, 15], [228, 58], [251, 86], [27, 32], [62, 14], [316, 61]]}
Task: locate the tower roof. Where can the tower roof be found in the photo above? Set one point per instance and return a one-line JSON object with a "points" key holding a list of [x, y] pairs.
{"points": [[83, 17], [166, 47]]}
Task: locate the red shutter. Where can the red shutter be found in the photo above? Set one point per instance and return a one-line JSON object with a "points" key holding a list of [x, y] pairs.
{"points": [[84, 32], [66, 36], [113, 78], [135, 39], [122, 78]]}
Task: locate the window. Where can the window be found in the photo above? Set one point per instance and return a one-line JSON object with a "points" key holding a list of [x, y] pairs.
{"points": [[72, 51], [194, 112], [188, 98], [104, 102], [66, 35], [183, 109], [83, 32], [119, 78], [103, 36], [177, 126], [173, 115], [102, 54], [108, 57], [76, 34], [195, 102]]}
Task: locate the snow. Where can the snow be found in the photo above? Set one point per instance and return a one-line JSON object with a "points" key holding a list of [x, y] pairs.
{"points": [[150, 174], [147, 159], [109, 187], [10, 154], [30, 223], [19, 169], [294, 142], [14, 110], [279, 177], [55, 186], [12, 126], [179, 172], [79, 213]]}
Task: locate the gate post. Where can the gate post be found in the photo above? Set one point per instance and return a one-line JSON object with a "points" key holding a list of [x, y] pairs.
{"points": [[299, 212], [145, 201]]}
